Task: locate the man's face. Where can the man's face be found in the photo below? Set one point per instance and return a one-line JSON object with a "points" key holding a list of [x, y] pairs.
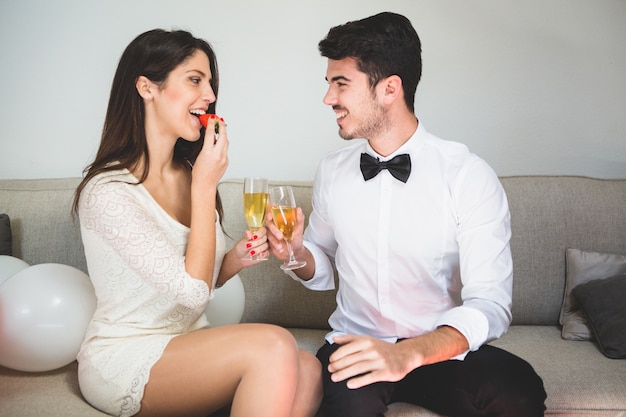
{"points": [[359, 112]]}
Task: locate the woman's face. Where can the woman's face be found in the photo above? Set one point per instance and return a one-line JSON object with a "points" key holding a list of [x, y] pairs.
{"points": [[185, 95]]}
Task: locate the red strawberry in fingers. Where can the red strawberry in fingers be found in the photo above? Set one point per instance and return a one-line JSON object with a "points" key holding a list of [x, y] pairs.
{"points": [[204, 119]]}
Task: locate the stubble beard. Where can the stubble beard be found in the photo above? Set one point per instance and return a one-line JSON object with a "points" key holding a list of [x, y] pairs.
{"points": [[373, 123]]}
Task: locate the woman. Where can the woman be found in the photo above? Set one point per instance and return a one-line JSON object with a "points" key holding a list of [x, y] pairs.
{"points": [[150, 221]]}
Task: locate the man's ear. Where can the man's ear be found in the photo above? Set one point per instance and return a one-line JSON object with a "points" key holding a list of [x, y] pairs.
{"points": [[392, 88], [144, 87]]}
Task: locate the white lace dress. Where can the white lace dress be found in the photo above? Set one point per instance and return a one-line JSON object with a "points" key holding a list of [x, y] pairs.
{"points": [[136, 259]]}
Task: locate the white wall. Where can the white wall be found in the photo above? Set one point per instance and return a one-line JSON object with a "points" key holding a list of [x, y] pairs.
{"points": [[534, 86]]}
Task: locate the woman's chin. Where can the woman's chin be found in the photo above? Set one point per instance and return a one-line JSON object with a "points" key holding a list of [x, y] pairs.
{"points": [[192, 138]]}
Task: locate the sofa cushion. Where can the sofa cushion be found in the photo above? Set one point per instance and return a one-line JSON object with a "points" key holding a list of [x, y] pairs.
{"points": [[579, 380], [602, 300], [581, 267], [5, 235]]}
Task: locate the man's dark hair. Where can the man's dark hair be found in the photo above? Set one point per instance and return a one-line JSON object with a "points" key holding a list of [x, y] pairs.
{"points": [[383, 45]]}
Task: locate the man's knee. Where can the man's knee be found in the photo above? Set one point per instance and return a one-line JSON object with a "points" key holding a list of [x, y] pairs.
{"points": [[341, 401], [514, 389], [368, 401]]}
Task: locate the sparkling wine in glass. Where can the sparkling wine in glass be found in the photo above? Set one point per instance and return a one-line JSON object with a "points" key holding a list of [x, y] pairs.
{"points": [[283, 207], [254, 206]]}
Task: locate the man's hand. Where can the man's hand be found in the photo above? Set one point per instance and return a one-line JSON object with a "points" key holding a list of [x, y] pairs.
{"points": [[364, 360], [276, 240]]}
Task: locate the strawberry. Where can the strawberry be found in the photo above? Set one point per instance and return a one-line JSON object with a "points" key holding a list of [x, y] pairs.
{"points": [[204, 119]]}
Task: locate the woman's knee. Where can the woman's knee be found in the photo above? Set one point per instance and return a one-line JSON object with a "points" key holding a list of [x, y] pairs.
{"points": [[278, 339], [272, 346]]}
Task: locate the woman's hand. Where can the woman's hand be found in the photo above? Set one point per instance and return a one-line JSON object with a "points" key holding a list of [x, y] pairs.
{"points": [[253, 243], [236, 259], [212, 160]]}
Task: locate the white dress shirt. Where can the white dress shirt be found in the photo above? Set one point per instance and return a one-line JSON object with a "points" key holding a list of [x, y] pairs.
{"points": [[413, 256]]}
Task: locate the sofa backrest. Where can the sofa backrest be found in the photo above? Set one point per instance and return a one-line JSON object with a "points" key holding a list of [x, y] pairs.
{"points": [[548, 215], [42, 225]]}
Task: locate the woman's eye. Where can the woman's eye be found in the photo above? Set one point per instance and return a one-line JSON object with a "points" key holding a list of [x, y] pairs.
{"points": [[195, 80]]}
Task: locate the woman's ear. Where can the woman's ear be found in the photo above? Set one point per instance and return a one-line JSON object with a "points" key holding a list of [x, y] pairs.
{"points": [[144, 87]]}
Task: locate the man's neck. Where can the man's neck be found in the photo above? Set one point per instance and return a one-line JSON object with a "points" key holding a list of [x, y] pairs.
{"points": [[400, 131]]}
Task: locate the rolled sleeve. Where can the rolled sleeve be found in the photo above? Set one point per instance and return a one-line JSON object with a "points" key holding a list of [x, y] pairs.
{"points": [[470, 322]]}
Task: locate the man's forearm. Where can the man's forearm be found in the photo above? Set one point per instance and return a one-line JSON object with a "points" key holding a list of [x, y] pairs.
{"points": [[437, 346]]}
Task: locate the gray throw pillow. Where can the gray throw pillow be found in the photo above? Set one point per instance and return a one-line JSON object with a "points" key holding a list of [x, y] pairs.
{"points": [[603, 301], [5, 235], [581, 267]]}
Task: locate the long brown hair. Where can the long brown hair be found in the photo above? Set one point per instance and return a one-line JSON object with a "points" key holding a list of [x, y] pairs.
{"points": [[153, 54]]}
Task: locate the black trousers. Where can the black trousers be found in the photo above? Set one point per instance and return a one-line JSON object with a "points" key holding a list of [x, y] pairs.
{"points": [[489, 382]]}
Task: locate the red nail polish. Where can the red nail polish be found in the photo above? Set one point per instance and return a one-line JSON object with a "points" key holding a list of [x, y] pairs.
{"points": [[221, 119], [252, 253], [248, 245], [255, 237]]}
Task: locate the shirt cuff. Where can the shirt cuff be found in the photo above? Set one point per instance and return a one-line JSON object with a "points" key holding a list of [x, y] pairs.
{"points": [[324, 276], [471, 322]]}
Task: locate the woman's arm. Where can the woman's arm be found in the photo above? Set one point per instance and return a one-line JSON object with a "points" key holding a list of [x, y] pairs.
{"points": [[207, 171]]}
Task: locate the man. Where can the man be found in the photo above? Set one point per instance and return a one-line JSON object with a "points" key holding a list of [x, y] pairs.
{"points": [[420, 242]]}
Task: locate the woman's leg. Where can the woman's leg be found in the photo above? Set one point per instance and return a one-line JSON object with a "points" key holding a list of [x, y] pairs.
{"points": [[255, 367], [309, 390]]}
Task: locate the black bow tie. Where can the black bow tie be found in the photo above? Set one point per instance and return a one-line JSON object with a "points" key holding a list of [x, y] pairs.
{"points": [[399, 166]]}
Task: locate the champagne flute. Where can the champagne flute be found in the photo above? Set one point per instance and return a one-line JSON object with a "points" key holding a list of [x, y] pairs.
{"points": [[254, 206], [283, 207]]}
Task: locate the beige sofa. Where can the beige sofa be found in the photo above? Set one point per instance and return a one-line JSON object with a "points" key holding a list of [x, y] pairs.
{"points": [[549, 215]]}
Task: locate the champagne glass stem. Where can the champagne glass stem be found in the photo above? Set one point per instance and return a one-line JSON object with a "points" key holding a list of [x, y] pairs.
{"points": [[292, 259], [292, 263]]}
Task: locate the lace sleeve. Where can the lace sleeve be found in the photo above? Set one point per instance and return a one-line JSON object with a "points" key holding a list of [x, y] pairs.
{"points": [[115, 213]]}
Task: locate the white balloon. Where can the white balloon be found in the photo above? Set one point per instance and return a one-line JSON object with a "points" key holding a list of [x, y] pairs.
{"points": [[10, 266], [44, 313], [227, 304]]}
